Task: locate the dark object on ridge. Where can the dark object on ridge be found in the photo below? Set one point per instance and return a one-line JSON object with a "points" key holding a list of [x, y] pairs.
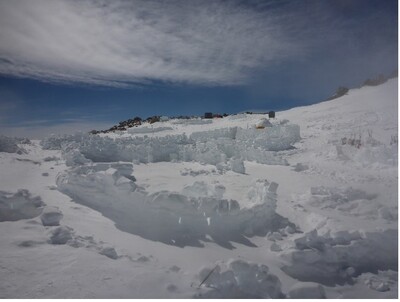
{"points": [[271, 114], [208, 115], [153, 119]]}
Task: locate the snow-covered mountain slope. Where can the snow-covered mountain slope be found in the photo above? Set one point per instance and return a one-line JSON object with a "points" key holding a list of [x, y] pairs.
{"points": [[305, 207]]}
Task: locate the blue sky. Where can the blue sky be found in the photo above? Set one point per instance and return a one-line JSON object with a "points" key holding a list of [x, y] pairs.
{"points": [[87, 64]]}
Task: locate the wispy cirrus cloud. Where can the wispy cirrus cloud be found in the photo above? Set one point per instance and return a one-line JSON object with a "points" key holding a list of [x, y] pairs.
{"points": [[120, 43]]}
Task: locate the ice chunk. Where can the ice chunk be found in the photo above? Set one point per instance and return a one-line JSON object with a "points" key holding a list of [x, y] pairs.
{"points": [[275, 247], [307, 290], [321, 259], [263, 123], [19, 205], [240, 279], [60, 235], [51, 158], [75, 158], [300, 167], [290, 230], [109, 252], [237, 165], [51, 216], [10, 144]]}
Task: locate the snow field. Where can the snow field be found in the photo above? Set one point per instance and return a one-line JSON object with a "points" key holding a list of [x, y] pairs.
{"points": [[181, 202]]}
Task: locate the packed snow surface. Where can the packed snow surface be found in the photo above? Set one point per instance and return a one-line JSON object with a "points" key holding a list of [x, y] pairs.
{"points": [[300, 206]]}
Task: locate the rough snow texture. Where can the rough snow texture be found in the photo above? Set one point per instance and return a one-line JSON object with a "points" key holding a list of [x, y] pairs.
{"points": [[327, 259], [352, 202], [240, 279], [19, 205]]}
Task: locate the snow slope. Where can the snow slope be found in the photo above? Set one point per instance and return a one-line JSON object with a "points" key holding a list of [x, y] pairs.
{"points": [[306, 207]]}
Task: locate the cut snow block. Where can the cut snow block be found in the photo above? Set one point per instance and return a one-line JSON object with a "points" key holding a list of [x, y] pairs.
{"points": [[290, 230], [237, 166], [275, 247], [109, 252], [19, 205], [273, 187], [51, 216], [307, 290], [240, 279], [61, 235]]}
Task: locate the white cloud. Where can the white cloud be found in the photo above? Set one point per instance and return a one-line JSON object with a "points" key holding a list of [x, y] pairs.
{"points": [[119, 43]]}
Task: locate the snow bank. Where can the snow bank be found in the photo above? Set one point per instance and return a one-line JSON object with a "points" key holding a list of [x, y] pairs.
{"points": [[276, 138], [178, 218], [240, 279], [20, 205], [335, 259], [367, 151], [204, 136], [137, 130], [368, 156], [352, 202], [56, 142], [191, 122]]}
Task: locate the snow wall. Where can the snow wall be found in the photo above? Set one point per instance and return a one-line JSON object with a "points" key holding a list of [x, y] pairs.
{"points": [[176, 218], [217, 147]]}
